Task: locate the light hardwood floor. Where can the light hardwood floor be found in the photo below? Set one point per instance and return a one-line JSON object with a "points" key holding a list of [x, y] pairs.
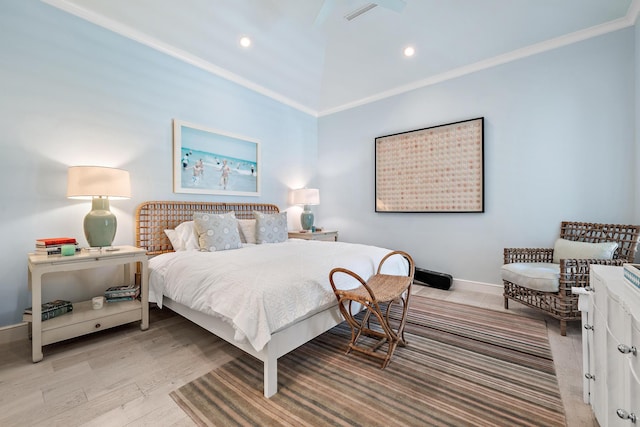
{"points": [[122, 377]]}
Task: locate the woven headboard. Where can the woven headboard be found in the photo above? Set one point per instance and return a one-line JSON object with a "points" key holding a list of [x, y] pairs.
{"points": [[153, 217]]}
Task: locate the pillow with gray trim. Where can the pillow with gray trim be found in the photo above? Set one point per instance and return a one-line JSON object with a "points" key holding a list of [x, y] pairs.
{"points": [[271, 228], [217, 232], [568, 249]]}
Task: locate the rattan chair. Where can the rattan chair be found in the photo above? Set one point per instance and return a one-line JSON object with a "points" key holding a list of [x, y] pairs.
{"points": [[560, 302], [376, 296]]}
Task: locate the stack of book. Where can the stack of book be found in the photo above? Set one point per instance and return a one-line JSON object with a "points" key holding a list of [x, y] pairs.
{"points": [[122, 293], [53, 245], [50, 310]]}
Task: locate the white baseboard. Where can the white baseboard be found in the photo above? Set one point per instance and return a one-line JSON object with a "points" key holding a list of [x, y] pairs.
{"points": [[470, 285], [13, 333]]}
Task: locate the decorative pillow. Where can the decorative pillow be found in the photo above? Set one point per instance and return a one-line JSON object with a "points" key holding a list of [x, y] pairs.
{"points": [[247, 230], [567, 249], [184, 237], [217, 232], [176, 241], [271, 228]]}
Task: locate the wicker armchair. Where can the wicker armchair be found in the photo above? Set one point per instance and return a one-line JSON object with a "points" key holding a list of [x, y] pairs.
{"points": [[562, 304]]}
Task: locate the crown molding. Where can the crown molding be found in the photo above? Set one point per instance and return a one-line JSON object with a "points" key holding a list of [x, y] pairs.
{"points": [[175, 52], [628, 20], [598, 30]]}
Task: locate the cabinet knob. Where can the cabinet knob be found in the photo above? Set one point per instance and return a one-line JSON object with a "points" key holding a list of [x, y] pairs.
{"points": [[98, 325], [625, 349], [588, 327], [626, 416], [590, 377]]}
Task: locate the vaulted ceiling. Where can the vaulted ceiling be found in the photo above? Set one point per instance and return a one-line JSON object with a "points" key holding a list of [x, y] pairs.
{"points": [[307, 54]]}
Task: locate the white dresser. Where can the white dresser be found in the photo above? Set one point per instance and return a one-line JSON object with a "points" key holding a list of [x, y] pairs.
{"points": [[611, 347]]}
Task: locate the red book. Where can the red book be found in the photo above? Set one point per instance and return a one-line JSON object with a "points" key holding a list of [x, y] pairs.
{"points": [[56, 241]]}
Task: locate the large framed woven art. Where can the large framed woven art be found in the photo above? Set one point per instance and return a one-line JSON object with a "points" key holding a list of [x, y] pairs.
{"points": [[436, 169]]}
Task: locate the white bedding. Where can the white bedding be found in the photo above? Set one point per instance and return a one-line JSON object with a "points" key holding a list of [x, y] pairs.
{"points": [[262, 288]]}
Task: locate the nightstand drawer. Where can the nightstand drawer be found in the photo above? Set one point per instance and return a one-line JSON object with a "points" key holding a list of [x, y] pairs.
{"points": [[85, 320]]}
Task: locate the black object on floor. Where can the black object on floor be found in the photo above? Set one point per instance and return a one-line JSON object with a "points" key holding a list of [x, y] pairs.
{"points": [[433, 278]]}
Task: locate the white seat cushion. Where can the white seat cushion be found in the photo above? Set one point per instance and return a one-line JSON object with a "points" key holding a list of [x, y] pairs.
{"points": [[539, 276]]}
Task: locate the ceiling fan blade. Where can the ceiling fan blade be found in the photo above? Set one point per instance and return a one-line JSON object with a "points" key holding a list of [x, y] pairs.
{"points": [[323, 14]]}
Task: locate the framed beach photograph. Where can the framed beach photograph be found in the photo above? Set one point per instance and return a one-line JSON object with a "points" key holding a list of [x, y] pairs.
{"points": [[436, 169], [209, 161]]}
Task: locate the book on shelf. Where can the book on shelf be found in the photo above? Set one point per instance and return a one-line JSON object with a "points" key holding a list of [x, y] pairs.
{"points": [[55, 241], [122, 291], [50, 310], [52, 250], [118, 299]]}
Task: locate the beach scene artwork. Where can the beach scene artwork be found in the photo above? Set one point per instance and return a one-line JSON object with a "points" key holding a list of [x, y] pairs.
{"points": [[208, 161]]}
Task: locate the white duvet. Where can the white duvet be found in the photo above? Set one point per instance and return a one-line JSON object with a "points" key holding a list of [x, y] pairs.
{"points": [[262, 288]]}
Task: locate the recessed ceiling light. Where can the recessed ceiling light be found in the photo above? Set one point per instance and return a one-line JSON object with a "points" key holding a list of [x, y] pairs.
{"points": [[245, 41], [409, 51]]}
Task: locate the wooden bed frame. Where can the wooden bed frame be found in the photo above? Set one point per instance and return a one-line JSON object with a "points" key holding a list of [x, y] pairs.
{"points": [[153, 217]]}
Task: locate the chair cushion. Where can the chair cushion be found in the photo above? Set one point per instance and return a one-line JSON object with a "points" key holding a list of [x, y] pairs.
{"points": [[568, 249], [539, 276]]}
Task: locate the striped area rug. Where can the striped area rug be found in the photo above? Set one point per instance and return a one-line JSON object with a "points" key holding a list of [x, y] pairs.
{"points": [[463, 366]]}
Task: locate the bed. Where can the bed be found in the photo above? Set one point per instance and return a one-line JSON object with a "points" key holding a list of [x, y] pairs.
{"points": [[191, 283]]}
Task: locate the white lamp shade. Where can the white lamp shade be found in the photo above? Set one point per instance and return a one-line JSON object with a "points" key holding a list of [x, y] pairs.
{"points": [[305, 196], [85, 182]]}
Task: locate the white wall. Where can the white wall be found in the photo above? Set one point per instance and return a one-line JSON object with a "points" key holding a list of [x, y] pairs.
{"points": [[72, 93], [559, 144]]}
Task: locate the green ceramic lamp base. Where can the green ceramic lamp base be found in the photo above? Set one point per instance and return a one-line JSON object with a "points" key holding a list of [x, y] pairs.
{"points": [[306, 218], [100, 224]]}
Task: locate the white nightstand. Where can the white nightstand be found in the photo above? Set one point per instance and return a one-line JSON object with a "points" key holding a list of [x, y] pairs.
{"points": [[330, 236], [84, 319]]}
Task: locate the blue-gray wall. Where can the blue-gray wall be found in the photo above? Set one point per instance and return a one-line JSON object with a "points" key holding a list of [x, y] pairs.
{"points": [[72, 93], [559, 144]]}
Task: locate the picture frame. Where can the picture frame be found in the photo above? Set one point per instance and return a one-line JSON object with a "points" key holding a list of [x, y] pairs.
{"points": [[434, 169], [210, 161]]}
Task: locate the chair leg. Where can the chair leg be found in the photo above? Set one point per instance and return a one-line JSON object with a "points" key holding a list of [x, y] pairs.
{"points": [[563, 328], [506, 303]]}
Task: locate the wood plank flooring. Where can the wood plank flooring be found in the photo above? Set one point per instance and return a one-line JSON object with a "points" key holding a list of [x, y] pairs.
{"points": [[123, 376]]}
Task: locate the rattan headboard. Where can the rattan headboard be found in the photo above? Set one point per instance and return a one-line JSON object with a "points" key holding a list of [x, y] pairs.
{"points": [[153, 217]]}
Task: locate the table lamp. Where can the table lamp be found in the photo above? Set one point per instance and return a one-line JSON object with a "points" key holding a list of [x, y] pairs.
{"points": [[306, 197], [99, 184]]}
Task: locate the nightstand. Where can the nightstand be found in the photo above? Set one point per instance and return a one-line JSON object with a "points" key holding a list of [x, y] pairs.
{"points": [[84, 319], [329, 236]]}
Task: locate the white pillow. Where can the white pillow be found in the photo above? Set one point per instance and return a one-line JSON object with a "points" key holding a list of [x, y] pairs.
{"points": [[271, 228], [176, 241], [567, 249], [184, 237], [187, 232], [217, 232], [247, 230]]}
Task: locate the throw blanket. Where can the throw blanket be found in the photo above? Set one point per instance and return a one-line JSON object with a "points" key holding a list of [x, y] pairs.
{"points": [[262, 288]]}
